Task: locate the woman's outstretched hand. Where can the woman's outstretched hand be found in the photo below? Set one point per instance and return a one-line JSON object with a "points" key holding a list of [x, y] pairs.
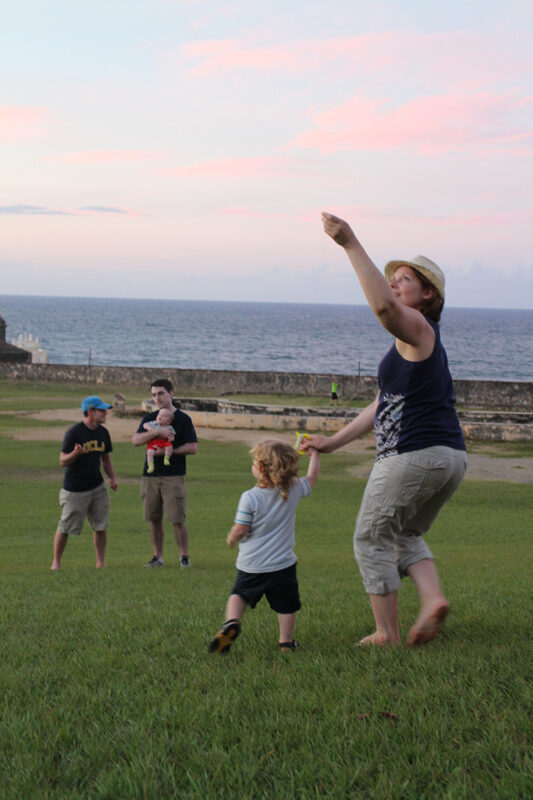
{"points": [[316, 442], [338, 229]]}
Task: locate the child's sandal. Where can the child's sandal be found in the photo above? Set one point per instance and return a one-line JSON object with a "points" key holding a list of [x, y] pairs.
{"points": [[288, 647]]}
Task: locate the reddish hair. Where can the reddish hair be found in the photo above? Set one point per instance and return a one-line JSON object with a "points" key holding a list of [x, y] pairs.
{"points": [[431, 306]]}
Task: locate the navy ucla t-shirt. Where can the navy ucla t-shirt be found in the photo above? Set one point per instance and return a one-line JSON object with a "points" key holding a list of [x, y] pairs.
{"points": [[416, 406]]}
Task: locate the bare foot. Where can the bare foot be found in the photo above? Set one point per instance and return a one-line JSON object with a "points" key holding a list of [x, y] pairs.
{"points": [[378, 640], [54, 567], [427, 625]]}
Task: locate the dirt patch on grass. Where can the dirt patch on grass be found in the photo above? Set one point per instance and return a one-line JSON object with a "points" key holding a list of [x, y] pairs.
{"points": [[482, 467]]}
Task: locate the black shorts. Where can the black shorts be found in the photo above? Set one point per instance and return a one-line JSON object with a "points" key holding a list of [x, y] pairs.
{"points": [[280, 589], [334, 396]]}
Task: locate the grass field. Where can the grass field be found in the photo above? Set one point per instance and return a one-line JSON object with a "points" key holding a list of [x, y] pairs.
{"points": [[108, 692], [35, 396]]}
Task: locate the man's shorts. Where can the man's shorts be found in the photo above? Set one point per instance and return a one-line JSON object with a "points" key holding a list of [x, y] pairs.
{"points": [[280, 589], [164, 493], [75, 506]]}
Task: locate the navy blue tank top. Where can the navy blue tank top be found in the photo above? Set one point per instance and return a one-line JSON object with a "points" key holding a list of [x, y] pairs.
{"points": [[416, 403]]}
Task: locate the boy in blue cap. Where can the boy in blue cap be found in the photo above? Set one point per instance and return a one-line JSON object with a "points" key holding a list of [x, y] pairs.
{"points": [[85, 446]]}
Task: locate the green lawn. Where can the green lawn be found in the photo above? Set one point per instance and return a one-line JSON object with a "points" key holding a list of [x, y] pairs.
{"points": [[33, 396], [30, 396], [109, 692]]}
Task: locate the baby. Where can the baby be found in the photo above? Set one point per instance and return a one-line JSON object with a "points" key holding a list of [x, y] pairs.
{"points": [[162, 446]]}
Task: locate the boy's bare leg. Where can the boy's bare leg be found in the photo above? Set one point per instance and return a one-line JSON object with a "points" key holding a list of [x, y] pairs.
{"points": [[150, 460], [100, 542], [385, 609], [286, 627], [60, 542], [235, 607], [433, 605]]}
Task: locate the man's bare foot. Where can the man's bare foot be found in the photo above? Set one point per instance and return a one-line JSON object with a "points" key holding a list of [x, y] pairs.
{"points": [[427, 625], [54, 567], [378, 640]]}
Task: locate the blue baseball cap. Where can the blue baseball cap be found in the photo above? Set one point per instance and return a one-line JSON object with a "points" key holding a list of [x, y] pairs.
{"points": [[94, 402]]}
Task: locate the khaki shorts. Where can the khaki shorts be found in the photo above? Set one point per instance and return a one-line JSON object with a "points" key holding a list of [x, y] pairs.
{"points": [[403, 497], [75, 506], [166, 492]]}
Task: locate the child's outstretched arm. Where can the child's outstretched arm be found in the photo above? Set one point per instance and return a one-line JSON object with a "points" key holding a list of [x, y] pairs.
{"points": [[313, 470], [237, 533]]}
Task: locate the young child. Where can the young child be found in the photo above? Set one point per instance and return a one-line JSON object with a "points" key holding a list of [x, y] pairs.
{"points": [[162, 446], [264, 528]]}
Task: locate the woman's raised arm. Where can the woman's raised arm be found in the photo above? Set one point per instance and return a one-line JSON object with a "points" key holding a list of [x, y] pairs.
{"points": [[407, 324]]}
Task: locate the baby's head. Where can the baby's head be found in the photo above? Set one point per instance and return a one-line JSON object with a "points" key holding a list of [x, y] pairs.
{"points": [[165, 417], [276, 464]]}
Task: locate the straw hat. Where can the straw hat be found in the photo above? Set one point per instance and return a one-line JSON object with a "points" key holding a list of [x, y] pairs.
{"points": [[425, 266]]}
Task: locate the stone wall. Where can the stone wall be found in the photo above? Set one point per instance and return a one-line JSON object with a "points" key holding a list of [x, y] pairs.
{"points": [[495, 426], [502, 395]]}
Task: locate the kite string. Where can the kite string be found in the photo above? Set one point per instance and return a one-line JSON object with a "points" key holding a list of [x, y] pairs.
{"points": [[295, 172]]}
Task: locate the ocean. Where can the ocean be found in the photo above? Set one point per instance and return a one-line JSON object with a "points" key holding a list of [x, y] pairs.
{"points": [[490, 344]]}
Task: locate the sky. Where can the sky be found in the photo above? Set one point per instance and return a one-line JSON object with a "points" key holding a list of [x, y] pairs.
{"points": [[185, 150]]}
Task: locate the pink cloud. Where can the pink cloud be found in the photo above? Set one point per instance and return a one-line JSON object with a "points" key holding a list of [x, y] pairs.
{"points": [[105, 157], [353, 213], [521, 217], [431, 124], [250, 212], [18, 122], [293, 57], [242, 211], [451, 55], [232, 167]]}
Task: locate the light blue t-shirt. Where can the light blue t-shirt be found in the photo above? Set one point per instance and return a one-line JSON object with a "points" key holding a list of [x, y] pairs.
{"points": [[270, 544]]}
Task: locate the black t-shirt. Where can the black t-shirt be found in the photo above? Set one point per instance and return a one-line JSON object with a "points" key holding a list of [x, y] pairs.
{"points": [[185, 434], [84, 473], [416, 403]]}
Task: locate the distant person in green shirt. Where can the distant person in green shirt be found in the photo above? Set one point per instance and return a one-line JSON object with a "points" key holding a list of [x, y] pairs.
{"points": [[334, 395]]}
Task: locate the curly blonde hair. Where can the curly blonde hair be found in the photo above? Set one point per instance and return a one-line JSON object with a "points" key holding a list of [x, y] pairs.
{"points": [[278, 465]]}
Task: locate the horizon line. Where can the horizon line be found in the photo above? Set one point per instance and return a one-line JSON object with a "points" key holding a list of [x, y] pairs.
{"points": [[245, 302]]}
